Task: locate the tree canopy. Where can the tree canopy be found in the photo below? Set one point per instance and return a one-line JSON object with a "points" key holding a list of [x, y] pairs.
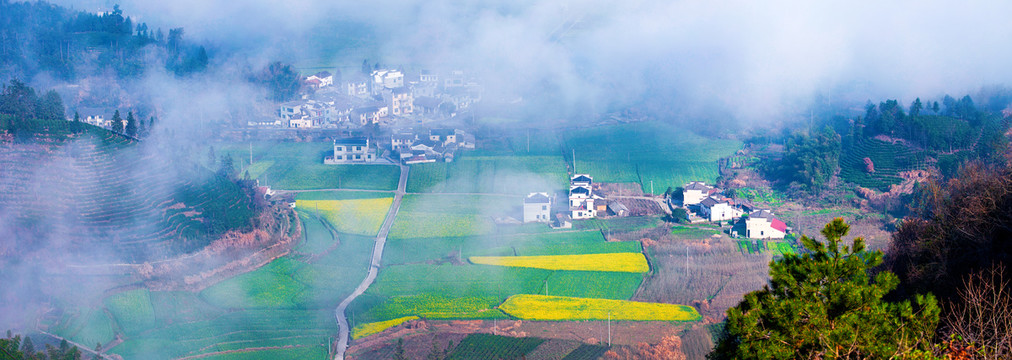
{"points": [[825, 304]]}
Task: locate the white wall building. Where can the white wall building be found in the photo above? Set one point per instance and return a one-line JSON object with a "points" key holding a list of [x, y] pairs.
{"points": [[694, 192], [761, 224], [718, 209], [537, 207]]}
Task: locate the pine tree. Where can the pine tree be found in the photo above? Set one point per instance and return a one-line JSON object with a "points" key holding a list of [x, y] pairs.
{"points": [[915, 107], [28, 347], [824, 304], [227, 168], [117, 122], [131, 125], [77, 117]]}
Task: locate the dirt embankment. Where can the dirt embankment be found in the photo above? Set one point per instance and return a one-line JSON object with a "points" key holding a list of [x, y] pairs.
{"points": [[234, 253]]}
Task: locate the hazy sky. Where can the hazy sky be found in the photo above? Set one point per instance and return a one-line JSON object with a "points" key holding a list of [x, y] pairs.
{"points": [[752, 58]]}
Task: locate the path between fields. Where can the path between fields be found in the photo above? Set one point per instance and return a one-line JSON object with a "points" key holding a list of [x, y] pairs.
{"points": [[344, 333]]}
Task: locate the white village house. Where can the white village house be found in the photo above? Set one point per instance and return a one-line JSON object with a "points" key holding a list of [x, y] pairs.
{"points": [[718, 209], [581, 197], [694, 192], [537, 207], [761, 224], [354, 150]]}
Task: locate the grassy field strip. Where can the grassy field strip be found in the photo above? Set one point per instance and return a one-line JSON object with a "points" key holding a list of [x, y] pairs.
{"points": [[363, 330], [617, 262], [488, 346], [353, 216], [558, 308]]}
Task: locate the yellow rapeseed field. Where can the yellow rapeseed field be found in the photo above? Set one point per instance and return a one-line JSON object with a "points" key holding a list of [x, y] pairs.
{"points": [[555, 308], [353, 216], [617, 262], [367, 329]]}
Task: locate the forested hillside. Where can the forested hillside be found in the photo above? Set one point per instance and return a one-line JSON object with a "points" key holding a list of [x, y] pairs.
{"points": [[37, 37]]}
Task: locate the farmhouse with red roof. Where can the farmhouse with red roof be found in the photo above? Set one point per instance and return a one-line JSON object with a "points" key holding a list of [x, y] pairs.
{"points": [[762, 224]]}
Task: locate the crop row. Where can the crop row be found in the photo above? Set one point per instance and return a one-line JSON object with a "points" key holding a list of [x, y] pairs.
{"points": [[617, 262], [557, 308]]}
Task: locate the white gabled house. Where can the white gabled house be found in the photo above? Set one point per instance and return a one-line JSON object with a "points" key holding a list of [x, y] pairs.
{"points": [[718, 209], [537, 207], [761, 224], [695, 192], [581, 197], [352, 150]]}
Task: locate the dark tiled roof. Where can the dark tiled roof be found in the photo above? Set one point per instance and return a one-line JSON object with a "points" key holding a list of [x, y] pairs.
{"points": [[322, 74], [442, 132], [697, 185], [708, 202], [536, 198], [360, 141], [762, 214], [579, 190], [582, 178]]}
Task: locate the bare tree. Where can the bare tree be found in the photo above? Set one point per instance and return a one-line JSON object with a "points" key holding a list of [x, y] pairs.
{"points": [[983, 316]]}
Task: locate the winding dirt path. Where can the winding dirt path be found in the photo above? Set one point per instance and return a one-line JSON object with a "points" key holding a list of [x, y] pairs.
{"points": [[344, 333]]}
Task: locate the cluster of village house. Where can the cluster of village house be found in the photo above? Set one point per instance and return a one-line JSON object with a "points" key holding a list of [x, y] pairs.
{"points": [[710, 204], [385, 94], [705, 202], [583, 204], [360, 100], [408, 147]]}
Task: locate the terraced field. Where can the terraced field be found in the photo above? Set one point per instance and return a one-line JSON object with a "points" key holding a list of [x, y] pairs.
{"points": [[283, 310], [889, 159], [106, 190]]}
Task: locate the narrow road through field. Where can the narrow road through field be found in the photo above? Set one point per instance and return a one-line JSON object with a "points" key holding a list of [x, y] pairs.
{"points": [[344, 333]]}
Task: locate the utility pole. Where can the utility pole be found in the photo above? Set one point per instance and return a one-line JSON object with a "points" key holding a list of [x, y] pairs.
{"points": [[651, 187], [250, 153], [574, 161], [609, 329], [686, 259]]}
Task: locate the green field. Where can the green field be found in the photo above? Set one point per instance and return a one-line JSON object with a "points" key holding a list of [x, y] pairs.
{"points": [[283, 310], [132, 310], [693, 232], [645, 152], [517, 175], [776, 247], [424, 216], [412, 250], [299, 166], [350, 212], [488, 346]]}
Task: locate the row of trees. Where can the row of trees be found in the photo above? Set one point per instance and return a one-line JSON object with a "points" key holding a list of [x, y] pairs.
{"points": [[14, 348]]}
